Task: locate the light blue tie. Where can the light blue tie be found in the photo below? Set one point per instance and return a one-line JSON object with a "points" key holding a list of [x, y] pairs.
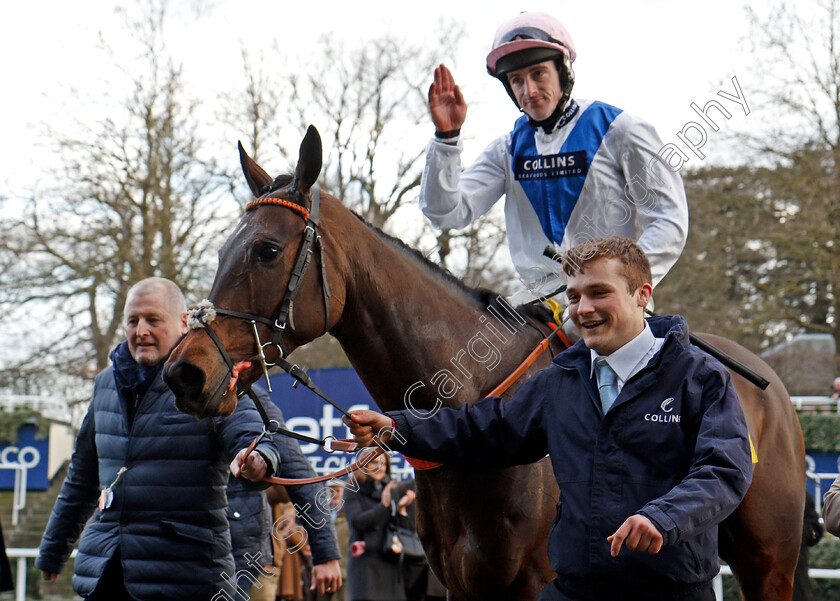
{"points": [[607, 388]]}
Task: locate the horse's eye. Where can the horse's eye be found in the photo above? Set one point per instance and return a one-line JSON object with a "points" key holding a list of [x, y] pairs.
{"points": [[265, 252]]}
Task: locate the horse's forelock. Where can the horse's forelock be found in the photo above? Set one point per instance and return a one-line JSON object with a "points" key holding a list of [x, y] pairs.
{"points": [[282, 181]]}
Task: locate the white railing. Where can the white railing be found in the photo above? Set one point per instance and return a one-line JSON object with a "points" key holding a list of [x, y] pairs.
{"points": [[58, 410], [817, 478], [49, 407], [829, 574], [19, 495], [809, 402], [22, 554], [816, 573]]}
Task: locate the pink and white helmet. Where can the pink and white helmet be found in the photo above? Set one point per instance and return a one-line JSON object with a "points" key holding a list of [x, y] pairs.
{"points": [[528, 30], [530, 38]]}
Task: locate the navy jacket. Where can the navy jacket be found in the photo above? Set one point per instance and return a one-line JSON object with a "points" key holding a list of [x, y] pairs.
{"points": [[168, 511], [674, 447], [250, 515]]}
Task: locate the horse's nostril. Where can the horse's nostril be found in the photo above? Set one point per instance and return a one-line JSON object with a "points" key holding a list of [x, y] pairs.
{"points": [[185, 379]]}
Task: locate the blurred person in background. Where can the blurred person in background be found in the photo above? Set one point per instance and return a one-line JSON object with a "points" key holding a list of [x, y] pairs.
{"points": [[371, 575], [342, 531], [421, 584]]}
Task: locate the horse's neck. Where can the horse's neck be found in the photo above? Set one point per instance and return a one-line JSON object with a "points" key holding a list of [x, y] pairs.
{"points": [[415, 338]]}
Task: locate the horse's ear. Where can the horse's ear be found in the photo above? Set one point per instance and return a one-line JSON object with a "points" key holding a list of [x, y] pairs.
{"points": [[309, 161], [254, 174]]}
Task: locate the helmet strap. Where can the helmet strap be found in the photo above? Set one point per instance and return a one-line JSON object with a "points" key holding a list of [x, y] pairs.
{"points": [[550, 122]]}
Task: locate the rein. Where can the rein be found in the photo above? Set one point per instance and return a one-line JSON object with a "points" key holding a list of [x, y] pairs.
{"points": [[529, 360], [422, 464]]}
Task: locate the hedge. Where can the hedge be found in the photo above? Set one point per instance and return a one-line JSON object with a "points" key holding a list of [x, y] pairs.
{"points": [[11, 421], [821, 431]]}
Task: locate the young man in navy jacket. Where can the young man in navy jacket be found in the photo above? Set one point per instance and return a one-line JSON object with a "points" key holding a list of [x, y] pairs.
{"points": [[645, 433]]}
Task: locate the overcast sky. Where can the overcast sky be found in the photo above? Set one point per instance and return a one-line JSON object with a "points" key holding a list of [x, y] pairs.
{"points": [[650, 57]]}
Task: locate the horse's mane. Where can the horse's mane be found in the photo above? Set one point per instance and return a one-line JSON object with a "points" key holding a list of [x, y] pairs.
{"points": [[484, 297], [437, 269]]}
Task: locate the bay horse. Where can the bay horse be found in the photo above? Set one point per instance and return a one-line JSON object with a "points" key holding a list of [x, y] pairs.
{"points": [[417, 337]]}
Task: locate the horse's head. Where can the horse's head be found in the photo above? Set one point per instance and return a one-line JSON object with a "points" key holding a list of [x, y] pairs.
{"points": [[270, 295]]}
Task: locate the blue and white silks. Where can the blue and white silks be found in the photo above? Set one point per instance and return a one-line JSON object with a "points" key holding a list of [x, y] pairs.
{"points": [[553, 183], [570, 206]]}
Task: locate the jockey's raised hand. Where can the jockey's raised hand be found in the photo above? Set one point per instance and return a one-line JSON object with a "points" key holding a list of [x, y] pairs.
{"points": [[446, 103], [366, 425]]}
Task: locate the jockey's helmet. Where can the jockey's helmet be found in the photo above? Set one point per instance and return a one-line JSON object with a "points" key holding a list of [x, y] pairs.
{"points": [[530, 38]]}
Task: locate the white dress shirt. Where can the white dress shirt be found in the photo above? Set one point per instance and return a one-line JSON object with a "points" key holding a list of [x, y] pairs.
{"points": [[629, 360]]}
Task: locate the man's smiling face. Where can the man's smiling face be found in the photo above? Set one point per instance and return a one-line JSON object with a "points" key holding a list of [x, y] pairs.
{"points": [[603, 309]]}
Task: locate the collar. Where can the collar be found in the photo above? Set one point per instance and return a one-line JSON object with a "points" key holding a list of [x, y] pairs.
{"points": [[672, 328], [557, 119], [624, 360], [131, 377]]}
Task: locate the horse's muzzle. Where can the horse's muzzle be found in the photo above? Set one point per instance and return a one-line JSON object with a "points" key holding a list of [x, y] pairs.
{"points": [[187, 382]]}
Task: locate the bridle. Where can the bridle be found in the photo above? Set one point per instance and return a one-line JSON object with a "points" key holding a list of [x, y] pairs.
{"points": [[311, 241], [204, 313]]}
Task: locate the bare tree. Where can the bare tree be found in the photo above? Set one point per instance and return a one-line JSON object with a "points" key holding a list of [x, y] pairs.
{"points": [[369, 99], [475, 253], [136, 198], [797, 48], [796, 55], [369, 102], [779, 223]]}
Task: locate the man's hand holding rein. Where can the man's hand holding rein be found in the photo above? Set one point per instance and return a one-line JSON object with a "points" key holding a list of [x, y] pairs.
{"points": [[250, 466], [369, 428]]}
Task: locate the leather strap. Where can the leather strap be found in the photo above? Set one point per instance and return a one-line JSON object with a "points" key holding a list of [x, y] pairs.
{"points": [[529, 361], [422, 464], [343, 472]]}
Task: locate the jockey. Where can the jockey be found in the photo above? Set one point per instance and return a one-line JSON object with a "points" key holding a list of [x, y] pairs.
{"points": [[571, 170]]}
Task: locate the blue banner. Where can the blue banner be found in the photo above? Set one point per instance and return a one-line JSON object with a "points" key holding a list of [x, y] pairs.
{"points": [[821, 462], [307, 413], [29, 452]]}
